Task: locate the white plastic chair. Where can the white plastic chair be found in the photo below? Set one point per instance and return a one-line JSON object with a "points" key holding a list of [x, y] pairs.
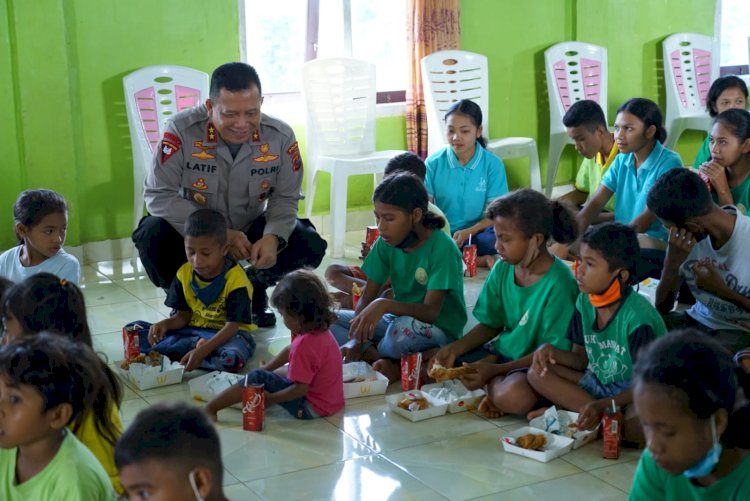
{"points": [[153, 95], [339, 97], [575, 71], [689, 69], [449, 76]]}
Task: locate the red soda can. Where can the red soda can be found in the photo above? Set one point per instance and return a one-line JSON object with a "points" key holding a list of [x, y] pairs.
{"points": [[470, 258], [706, 180], [371, 236], [611, 433], [253, 407], [130, 341], [411, 371]]}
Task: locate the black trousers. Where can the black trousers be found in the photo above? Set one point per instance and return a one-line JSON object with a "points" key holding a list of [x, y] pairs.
{"points": [[162, 251]]}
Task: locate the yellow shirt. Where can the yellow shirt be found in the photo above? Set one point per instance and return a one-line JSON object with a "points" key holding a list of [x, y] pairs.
{"points": [[103, 450], [590, 174]]}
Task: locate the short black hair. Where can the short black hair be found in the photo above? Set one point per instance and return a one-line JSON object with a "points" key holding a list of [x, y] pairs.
{"points": [[172, 433], [61, 369], [718, 87], [679, 194], [585, 113], [405, 191], [233, 77], [33, 205], [303, 294], [532, 212], [406, 162], [207, 223], [618, 245], [647, 112], [698, 372]]}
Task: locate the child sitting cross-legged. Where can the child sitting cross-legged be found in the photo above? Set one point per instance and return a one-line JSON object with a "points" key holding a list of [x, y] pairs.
{"points": [[311, 385], [211, 323], [46, 383], [610, 324], [171, 451]]}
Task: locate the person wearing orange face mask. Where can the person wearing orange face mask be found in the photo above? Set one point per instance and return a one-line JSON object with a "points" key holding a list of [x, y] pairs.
{"points": [[228, 156]]}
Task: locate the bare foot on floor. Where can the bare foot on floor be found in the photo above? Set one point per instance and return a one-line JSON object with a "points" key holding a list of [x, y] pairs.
{"points": [[389, 368], [536, 413], [488, 408]]}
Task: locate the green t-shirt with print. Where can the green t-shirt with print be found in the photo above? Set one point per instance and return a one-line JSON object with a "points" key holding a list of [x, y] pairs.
{"points": [[651, 483], [436, 265], [611, 350], [528, 316]]}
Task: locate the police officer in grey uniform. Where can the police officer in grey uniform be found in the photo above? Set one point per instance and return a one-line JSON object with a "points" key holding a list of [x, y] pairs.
{"points": [[228, 156]]}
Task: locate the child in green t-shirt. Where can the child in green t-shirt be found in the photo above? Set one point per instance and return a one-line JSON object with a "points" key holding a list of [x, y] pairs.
{"points": [[426, 273], [609, 326], [728, 169], [46, 382], [526, 301], [692, 403]]}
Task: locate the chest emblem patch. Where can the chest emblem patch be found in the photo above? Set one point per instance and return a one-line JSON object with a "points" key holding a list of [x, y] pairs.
{"points": [[265, 157], [202, 154]]}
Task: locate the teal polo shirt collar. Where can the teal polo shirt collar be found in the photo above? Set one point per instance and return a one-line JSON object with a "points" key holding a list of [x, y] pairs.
{"points": [[475, 160], [651, 161]]}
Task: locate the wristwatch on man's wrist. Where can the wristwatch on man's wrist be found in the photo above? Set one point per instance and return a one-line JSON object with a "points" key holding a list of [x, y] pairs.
{"points": [[282, 242]]}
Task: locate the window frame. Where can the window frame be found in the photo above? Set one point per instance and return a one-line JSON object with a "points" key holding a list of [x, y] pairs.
{"points": [[311, 48]]}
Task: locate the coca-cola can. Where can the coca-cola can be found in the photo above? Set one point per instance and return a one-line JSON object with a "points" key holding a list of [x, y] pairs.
{"points": [[371, 236], [130, 341], [706, 180], [253, 407], [470, 258], [411, 371]]}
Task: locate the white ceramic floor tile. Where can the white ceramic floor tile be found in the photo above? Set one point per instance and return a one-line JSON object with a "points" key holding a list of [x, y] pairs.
{"points": [[589, 457], [97, 294], [573, 488], [141, 287], [367, 478], [90, 276], [474, 465], [240, 492], [112, 317], [287, 445], [120, 268], [382, 430], [619, 475]]}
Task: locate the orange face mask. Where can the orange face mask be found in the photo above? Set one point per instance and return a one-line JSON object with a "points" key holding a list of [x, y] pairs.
{"points": [[610, 296]]}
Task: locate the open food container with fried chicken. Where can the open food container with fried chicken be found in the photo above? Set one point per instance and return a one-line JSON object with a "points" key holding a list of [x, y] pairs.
{"points": [[535, 443]]}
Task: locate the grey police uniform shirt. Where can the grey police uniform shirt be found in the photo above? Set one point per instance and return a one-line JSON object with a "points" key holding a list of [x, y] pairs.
{"points": [[193, 168]]}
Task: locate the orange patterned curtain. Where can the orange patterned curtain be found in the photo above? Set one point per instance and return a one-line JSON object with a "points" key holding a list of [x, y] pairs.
{"points": [[432, 26]]}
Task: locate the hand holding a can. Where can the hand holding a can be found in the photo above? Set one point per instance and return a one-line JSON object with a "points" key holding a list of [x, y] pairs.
{"points": [[716, 174], [461, 236]]}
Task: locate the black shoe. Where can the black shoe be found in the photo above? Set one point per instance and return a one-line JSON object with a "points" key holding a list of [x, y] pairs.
{"points": [[264, 317]]}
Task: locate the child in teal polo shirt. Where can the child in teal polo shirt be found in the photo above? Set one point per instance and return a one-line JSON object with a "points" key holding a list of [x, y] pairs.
{"points": [[463, 178]]}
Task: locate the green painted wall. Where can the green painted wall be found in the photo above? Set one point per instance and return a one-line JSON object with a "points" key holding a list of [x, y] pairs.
{"points": [[64, 126], [632, 30]]}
